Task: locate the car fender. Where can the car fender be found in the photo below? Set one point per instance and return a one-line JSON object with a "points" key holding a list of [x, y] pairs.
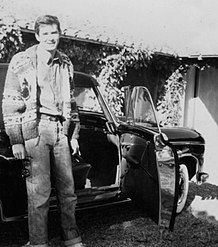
{"points": [[191, 162]]}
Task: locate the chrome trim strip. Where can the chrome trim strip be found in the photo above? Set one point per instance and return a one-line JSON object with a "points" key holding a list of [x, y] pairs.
{"points": [[186, 143]]}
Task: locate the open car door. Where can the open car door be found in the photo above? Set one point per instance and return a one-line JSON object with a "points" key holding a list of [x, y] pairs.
{"points": [[150, 170]]}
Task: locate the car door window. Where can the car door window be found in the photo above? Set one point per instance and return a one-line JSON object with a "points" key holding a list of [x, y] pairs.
{"points": [[86, 99], [138, 108], [143, 111]]}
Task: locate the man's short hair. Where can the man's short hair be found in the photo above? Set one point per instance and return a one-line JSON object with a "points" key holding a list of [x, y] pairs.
{"points": [[46, 20]]}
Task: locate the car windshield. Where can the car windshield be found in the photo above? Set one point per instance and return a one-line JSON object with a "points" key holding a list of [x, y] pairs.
{"points": [[86, 99]]}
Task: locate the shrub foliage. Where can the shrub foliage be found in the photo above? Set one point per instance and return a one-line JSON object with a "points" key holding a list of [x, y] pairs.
{"points": [[10, 39]]}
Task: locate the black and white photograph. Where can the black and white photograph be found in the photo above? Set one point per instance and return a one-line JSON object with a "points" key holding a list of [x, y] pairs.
{"points": [[108, 123]]}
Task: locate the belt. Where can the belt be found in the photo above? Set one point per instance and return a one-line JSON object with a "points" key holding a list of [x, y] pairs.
{"points": [[51, 117]]}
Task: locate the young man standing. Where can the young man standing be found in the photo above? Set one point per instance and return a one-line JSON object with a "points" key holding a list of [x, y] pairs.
{"points": [[40, 112]]}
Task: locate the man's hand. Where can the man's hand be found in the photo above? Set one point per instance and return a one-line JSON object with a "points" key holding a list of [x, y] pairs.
{"points": [[74, 145], [19, 151]]}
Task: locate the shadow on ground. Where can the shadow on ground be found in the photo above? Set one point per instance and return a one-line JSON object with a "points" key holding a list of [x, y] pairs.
{"points": [[203, 202]]}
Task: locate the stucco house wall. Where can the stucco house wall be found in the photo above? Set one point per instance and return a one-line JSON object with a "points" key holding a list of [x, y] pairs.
{"points": [[201, 112]]}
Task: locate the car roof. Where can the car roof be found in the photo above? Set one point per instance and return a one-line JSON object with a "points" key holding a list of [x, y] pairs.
{"points": [[84, 80]]}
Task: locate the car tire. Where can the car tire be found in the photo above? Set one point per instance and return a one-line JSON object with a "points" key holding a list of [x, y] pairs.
{"points": [[183, 187]]}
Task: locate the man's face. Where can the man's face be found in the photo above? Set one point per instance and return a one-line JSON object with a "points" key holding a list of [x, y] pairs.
{"points": [[48, 37]]}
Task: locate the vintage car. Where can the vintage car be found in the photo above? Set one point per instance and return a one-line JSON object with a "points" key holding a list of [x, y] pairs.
{"points": [[123, 157]]}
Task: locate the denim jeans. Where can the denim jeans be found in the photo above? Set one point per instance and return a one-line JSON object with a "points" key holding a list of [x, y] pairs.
{"points": [[50, 155]]}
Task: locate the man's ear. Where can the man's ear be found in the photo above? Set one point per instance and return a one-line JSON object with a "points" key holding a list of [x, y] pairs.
{"points": [[37, 37]]}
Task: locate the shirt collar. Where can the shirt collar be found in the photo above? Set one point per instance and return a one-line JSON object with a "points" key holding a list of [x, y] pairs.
{"points": [[45, 56]]}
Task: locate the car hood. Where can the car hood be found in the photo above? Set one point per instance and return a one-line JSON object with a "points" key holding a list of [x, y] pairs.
{"points": [[181, 134]]}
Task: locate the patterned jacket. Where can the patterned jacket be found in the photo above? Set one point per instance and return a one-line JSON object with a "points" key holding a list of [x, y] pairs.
{"points": [[20, 105]]}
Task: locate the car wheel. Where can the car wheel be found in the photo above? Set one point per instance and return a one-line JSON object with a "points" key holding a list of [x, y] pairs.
{"points": [[183, 187]]}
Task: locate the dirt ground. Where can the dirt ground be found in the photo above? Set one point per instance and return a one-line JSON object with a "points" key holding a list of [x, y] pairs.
{"points": [[124, 226]]}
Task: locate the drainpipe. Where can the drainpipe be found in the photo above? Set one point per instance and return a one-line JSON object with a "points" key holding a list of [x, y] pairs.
{"points": [[195, 94], [196, 85]]}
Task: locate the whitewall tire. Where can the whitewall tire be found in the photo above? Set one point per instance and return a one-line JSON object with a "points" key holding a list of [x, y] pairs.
{"points": [[183, 187]]}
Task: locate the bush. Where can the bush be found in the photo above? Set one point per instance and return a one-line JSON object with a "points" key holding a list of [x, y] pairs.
{"points": [[170, 104], [10, 39]]}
